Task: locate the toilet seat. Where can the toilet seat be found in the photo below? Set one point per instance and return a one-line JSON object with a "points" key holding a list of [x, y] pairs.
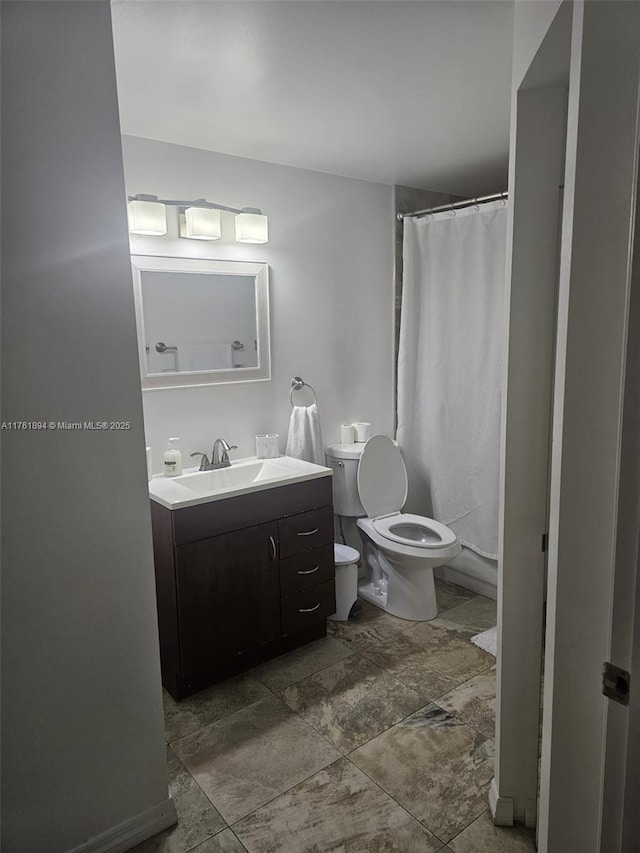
{"points": [[416, 531], [382, 477], [383, 487]]}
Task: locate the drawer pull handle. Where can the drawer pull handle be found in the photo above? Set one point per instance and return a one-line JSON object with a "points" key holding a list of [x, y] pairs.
{"points": [[309, 532], [273, 547], [309, 571], [308, 609]]}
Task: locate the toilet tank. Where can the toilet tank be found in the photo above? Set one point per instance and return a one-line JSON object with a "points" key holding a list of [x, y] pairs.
{"points": [[343, 459]]}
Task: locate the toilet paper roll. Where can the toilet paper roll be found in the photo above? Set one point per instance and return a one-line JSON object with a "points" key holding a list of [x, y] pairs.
{"points": [[363, 431], [347, 433]]}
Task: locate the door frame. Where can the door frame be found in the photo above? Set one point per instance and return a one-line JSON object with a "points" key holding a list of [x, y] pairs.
{"points": [[594, 522]]}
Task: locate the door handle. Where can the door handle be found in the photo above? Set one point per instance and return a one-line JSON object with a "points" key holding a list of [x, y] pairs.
{"points": [[274, 550], [309, 532], [309, 571], [308, 609]]}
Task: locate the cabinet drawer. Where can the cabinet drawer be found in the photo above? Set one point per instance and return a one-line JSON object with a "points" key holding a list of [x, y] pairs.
{"points": [[300, 533], [308, 569], [308, 607]]}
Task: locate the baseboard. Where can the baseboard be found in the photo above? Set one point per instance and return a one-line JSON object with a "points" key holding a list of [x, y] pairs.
{"points": [[501, 808], [134, 831]]}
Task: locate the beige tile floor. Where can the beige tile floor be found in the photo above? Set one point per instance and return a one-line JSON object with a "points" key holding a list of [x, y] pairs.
{"points": [[375, 739]]}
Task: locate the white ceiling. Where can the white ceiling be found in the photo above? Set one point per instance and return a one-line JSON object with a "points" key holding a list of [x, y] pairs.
{"points": [[414, 93]]}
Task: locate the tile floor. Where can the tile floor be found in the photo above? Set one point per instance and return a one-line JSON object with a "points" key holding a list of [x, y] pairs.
{"points": [[375, 739]]}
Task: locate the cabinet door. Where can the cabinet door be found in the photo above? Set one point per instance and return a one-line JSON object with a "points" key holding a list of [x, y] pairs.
{"points": [[228, 590]]}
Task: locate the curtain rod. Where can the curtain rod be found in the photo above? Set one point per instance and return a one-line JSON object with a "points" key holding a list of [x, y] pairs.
{"points": [[468, 202]]}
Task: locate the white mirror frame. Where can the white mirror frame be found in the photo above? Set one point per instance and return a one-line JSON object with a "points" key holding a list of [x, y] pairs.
{"points": [[155, 263]]}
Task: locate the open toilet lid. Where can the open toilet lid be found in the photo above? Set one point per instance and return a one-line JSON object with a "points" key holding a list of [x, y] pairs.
{"points": [[382, 477]]}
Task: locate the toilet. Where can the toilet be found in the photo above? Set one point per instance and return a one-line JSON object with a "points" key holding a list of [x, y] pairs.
{"points": [[400, 550]]}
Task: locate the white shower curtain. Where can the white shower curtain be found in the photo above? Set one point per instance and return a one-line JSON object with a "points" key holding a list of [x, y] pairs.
{"points": [[450, 361]]}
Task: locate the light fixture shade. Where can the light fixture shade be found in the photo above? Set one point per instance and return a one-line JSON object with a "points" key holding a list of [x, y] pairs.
{"points": [[147, 217], [201, 223], [252, 228]]}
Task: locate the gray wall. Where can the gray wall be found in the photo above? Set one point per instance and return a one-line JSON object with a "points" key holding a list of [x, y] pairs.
{"points": [[330, 256], [82, 735]]}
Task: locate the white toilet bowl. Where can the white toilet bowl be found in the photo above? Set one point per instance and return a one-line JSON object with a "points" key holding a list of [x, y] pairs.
{"points": [[400, 550], [399, 576]]}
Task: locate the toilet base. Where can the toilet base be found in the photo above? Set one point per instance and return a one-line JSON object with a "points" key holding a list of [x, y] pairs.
{"points": [[407, 592], [366, 591], [428, 611]]}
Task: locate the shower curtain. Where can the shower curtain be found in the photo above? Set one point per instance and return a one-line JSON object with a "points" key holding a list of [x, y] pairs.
{"points": [[450, 360]]}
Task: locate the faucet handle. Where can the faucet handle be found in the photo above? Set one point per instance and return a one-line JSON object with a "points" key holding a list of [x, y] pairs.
{"points": [[225, 453], [204, 462]]}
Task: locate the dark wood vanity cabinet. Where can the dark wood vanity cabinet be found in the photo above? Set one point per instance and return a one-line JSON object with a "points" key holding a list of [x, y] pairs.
{"points": [[241, 580], [228, 592]]}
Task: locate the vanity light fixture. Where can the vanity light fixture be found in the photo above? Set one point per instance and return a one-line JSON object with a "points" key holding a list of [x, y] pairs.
{"points": [[252, 226], [200, 223], [199, 219], [147, 216]]}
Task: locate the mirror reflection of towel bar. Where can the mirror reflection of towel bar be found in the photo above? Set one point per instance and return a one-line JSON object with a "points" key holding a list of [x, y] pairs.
{"points": [[162, 347]]}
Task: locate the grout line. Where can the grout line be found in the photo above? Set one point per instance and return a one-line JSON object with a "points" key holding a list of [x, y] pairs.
{"points": [[205, 840], [282, 793], [318, 733], [391, 797], [466, 723], [406, 809], [217, 720], [308, 675], [237, 839], [453, 606], [462, 683], [458, 834]]}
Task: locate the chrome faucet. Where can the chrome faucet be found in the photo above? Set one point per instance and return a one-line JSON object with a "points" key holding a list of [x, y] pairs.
{"points": [[218, 460], [219, 456]]}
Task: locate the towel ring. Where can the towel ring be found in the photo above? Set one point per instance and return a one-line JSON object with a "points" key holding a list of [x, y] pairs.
{"points": [[296, 385]]}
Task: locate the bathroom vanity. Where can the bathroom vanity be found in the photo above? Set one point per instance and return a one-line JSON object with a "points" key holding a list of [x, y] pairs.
{"points": [[242, 574]]}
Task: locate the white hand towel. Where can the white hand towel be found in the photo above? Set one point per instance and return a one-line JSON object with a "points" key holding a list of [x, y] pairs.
{"points": [[305, 439]]}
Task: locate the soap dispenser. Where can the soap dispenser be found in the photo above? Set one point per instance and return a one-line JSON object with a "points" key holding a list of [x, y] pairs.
{"points": [[172, 459]]}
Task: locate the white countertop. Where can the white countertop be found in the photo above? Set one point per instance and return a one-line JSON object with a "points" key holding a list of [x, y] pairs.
{"points": [[242, 477]]}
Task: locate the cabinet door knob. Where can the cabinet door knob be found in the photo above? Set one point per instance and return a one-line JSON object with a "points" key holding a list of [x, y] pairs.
{"points": [[309, 532], [308, 609], [309, 571], [274, 550]]}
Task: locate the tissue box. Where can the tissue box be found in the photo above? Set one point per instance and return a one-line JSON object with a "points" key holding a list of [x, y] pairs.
{"points": [[267, 446]]}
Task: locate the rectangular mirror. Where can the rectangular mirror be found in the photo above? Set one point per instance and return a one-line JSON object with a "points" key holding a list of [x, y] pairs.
{"points": [[201, 322]]}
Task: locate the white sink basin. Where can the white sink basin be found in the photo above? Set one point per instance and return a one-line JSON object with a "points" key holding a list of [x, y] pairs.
{"points": [[243, 476]]}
